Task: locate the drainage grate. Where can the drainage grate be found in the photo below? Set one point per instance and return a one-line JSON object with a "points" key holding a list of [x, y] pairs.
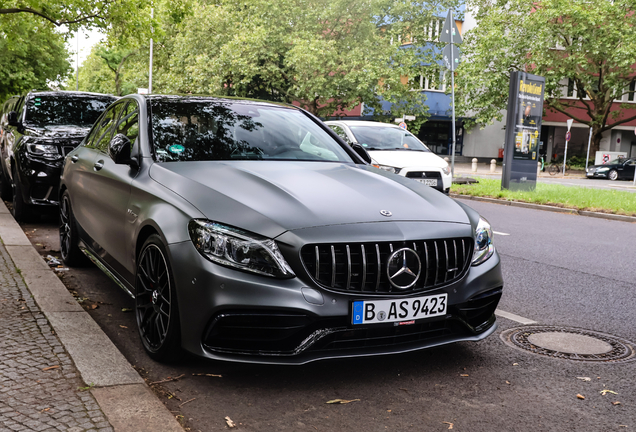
{"points": [[569, 343]]}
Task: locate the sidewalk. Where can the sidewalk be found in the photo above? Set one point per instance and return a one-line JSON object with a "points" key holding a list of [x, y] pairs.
{"points": [[58, 370], [465, 169]]}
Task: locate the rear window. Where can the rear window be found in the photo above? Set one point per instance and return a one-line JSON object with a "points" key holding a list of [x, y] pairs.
{"points": [[62, 110], [192, 129]]}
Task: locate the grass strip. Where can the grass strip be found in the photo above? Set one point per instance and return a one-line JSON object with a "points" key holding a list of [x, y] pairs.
{"points": [[579, 198]]}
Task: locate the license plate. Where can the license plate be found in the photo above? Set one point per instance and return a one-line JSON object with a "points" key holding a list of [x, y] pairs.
{"points": [[387, 311], [428, 182]]}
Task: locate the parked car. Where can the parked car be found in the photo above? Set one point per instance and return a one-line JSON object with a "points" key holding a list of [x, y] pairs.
{"points": [[396, 150], [248, 231], [37, 130], [621, 168]]}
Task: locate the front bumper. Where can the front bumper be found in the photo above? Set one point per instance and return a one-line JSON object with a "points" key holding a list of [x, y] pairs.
{"points": [[423, 175], [236, 316], [595, 174], [39, 182]]}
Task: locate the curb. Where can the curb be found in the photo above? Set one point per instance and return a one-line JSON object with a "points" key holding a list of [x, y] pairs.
{"points": [[599, 215], [114, 382]]}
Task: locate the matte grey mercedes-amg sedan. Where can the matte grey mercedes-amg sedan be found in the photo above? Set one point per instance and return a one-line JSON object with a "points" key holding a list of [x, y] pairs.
{"points": [[249, 231]]}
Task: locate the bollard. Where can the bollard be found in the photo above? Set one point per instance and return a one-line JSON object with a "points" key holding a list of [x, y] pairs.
{"points": [[493, 165], [538, 168], [474, 165]]}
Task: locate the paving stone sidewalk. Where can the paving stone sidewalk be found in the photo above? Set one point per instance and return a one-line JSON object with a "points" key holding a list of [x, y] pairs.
{"points": [[40, 387]]}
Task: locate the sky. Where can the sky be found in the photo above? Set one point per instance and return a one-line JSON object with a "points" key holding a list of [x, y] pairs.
{"points": [[87, 39]]}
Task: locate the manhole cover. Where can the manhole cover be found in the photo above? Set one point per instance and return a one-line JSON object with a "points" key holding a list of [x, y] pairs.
{"points": [[569, 343]]}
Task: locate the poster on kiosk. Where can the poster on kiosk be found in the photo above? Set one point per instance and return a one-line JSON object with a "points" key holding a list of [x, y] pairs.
{"points": [[523, 127]]}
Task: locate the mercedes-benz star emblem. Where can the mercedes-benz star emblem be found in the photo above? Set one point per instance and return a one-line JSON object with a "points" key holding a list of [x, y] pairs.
{"points": [[403, 268], [386, 213]]}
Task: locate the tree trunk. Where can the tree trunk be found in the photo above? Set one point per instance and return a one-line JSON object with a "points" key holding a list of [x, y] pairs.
{"points": [[597, 134]]}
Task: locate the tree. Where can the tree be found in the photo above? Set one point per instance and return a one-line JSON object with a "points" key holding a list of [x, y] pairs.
{"points": [[32, 54], [119, 64], [77, 13], [115, 58], [328, 55], [590, 43]]}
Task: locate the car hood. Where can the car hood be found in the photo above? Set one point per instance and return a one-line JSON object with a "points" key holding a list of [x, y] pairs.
{"points": [[407, 158], [60, 131], [272, 197]]}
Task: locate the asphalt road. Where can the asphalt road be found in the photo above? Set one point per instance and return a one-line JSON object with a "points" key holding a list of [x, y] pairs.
{"points": [[559, 269]]}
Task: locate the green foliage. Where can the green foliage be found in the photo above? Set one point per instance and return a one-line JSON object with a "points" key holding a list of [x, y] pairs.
{"points": [[82, 13], [580, 198], [592, 43], [32, 55], [329, 54]]}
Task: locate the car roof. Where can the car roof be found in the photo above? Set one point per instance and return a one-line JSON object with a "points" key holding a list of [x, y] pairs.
{"points": [[363, 123], [69, 93], [231, 99]]}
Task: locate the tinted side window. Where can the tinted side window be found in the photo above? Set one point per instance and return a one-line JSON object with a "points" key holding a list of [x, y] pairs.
{"points": [[129, 122], [341, 133], [106, 126]]}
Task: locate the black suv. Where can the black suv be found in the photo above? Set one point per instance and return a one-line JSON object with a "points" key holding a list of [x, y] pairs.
{"points": [[36, 131]]}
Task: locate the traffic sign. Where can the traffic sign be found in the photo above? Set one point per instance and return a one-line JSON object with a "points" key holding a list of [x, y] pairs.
{"points": [[451, 50], [402, 125], [450, 26], [568, 135]]}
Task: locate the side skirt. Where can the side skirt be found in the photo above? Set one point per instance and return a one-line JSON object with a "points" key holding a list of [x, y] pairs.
{"points": [[115, 278]]}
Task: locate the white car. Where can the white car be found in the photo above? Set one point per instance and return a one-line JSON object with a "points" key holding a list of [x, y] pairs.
{"points": [[396, 150]]}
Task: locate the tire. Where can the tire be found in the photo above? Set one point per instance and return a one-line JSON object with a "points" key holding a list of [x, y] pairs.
{"points": [[156, 308], [69, 249], [6, 193], [21, 210], [612, 175], [553, 169]]}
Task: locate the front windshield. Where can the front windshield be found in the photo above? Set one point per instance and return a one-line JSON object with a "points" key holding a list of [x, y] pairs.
{"points": [[191, 129], [65, 110], [387, 138]]}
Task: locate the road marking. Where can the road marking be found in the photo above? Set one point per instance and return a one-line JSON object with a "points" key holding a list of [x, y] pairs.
{"points": [[513, 317], [500, 233]]}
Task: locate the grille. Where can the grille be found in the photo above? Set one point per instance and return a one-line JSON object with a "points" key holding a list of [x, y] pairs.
{"points": [[362, 267], [424, 174]]}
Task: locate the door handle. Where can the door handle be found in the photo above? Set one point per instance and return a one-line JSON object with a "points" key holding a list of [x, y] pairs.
{"points": [[74, 158], [98, 165]]}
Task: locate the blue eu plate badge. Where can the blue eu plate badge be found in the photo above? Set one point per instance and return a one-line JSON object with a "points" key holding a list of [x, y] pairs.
{"points": [[358, 309]]}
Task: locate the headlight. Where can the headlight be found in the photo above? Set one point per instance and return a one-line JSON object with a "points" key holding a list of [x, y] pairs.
{"points": [[44, 151], [483, 242], [446, 170], [239, 249], [388, 168]]}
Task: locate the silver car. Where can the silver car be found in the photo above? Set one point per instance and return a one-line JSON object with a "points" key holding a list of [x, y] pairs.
{"points": [[249, 231]]}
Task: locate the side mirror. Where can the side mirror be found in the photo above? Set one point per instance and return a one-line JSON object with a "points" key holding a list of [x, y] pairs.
{"points": [[12, 118], [119, 150], [362, 152]]}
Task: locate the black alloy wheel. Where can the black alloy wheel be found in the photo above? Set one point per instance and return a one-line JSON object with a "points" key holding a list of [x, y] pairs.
{"points": [[69, 249], [612, 175], [156, 307]]}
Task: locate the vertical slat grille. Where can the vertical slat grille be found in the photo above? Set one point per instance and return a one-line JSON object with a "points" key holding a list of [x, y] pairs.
{"points": [[362, 267]]}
